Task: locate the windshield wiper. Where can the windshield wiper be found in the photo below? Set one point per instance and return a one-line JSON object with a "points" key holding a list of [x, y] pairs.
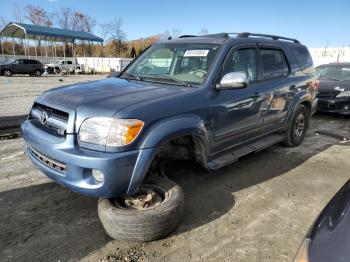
{"points": [[172, 79], [131, 76]]}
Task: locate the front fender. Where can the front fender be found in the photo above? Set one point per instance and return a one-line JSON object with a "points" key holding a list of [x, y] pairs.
{"points": [[161, 133]]}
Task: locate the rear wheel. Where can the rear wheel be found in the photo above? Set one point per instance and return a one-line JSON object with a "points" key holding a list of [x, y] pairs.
{"points": [[296, 130], [7, 72], [37, 73], [152, 213]]}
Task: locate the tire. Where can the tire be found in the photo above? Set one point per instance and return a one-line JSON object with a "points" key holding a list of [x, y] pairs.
{"points": [[37, 73], [296, 130], [148, 224], [7, 73]]}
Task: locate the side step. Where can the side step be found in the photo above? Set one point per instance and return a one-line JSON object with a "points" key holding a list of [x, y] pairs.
{"points": [[255, 146]]}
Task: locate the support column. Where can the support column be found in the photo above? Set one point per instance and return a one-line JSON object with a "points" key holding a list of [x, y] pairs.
{"points": [[2, 46], [13, 48], [36, 54]]}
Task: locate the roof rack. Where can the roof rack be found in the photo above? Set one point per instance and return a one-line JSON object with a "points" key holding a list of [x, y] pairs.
{"points": [[245, 34], [274, 37]]}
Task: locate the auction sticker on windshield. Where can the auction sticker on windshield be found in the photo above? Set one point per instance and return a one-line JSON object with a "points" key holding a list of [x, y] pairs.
{"points": [[200, 53]]}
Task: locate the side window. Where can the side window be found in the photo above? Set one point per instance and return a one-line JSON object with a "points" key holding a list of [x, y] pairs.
{"points": [[274, 63], [69, 62], [242, 60], [17, 62], [303, 57]]}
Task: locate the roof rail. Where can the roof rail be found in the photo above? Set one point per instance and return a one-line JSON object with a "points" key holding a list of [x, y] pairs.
{"points": [[218, 35], [274, 37], [184, 36], [244, 34]]}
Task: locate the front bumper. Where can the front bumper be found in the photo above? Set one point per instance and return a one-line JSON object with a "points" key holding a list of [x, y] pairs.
{"points": [[61, 159], [334, 105]]}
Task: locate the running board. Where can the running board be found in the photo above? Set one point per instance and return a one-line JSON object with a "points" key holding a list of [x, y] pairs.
{"points": [[255, 146]]}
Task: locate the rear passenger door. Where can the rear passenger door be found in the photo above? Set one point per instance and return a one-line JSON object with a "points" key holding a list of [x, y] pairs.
{"points": [[275, 86], [28, 67]]}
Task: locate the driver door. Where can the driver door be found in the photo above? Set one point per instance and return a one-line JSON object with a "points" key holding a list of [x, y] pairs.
{"points": [[237, 112]]}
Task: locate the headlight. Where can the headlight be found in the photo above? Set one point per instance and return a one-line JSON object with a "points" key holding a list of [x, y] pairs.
{"points": [[303, 252], [110, 131], [344, 94]]}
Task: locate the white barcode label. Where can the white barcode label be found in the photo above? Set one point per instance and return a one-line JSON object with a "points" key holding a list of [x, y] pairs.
{"points": [[201, 53]]}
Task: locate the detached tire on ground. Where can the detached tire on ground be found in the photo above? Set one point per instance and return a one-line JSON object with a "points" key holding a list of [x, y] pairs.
{"points": [[124, 221], [297, 127]]}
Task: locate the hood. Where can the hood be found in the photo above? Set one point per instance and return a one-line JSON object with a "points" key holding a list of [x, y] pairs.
{"points": [[332, 86], [106, 97], [330, 235]]}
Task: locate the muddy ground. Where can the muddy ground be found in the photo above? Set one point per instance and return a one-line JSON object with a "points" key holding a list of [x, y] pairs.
{"points": [[257, 209]]}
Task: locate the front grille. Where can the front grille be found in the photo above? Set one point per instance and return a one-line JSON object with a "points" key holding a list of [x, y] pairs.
{"points": [[54, 164], [54, 112], [55, 121]]}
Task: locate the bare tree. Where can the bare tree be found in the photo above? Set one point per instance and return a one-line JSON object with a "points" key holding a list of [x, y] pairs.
{"points": [[117, 36], [82, 22], [174, 34], [116, 31], [165, 35], [203, 31], [104, 30], [63, 18], [37, 15]]}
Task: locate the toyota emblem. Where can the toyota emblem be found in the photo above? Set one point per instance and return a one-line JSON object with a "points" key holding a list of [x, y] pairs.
{"points": [[43, 118]]}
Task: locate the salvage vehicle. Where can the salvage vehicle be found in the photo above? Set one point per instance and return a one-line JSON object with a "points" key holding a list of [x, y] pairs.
{"points": [[63, 67], [334, 90], [217, 98], [329, 237], [22, 66]]}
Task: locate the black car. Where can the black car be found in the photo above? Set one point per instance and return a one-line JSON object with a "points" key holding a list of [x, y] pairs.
{"points": [[22, 66], [334, 89], [329, 238]]}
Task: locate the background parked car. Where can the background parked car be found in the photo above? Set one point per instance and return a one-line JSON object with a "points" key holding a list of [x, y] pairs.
{"points": [[22, 66], [334, 89], [329, 238], [63, 66]]}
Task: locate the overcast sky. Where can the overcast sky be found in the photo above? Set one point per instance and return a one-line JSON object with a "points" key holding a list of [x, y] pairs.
{"points": [[313, 22]]}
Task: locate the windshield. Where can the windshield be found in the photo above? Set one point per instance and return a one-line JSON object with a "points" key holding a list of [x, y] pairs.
{"points": [[10, 61], [338, 73], [176, 63]]}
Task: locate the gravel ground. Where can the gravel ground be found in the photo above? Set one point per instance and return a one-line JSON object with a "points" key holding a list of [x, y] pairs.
{"points": [[17, 93], [257, 209]]}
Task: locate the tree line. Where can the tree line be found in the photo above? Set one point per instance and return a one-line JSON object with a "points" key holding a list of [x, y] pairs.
{"points": [[115, 41]]}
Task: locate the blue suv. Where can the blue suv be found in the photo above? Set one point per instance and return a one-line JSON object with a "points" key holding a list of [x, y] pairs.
{"points": [[210, 98]]}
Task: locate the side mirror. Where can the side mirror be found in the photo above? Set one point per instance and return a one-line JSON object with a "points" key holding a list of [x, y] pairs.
{"points": [[233, 80]]}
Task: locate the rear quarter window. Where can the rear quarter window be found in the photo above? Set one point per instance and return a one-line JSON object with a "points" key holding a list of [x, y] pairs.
{"points": [[303, 58]]}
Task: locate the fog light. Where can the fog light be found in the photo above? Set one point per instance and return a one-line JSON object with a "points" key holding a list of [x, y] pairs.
{"points": [[98, 175]]}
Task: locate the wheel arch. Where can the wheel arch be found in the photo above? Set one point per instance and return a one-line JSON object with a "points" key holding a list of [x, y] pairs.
{"points": [[302, 98], [188, 132]]}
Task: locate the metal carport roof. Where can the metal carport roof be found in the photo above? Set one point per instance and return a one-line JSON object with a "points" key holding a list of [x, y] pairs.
{"points": [[20, 30]]}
